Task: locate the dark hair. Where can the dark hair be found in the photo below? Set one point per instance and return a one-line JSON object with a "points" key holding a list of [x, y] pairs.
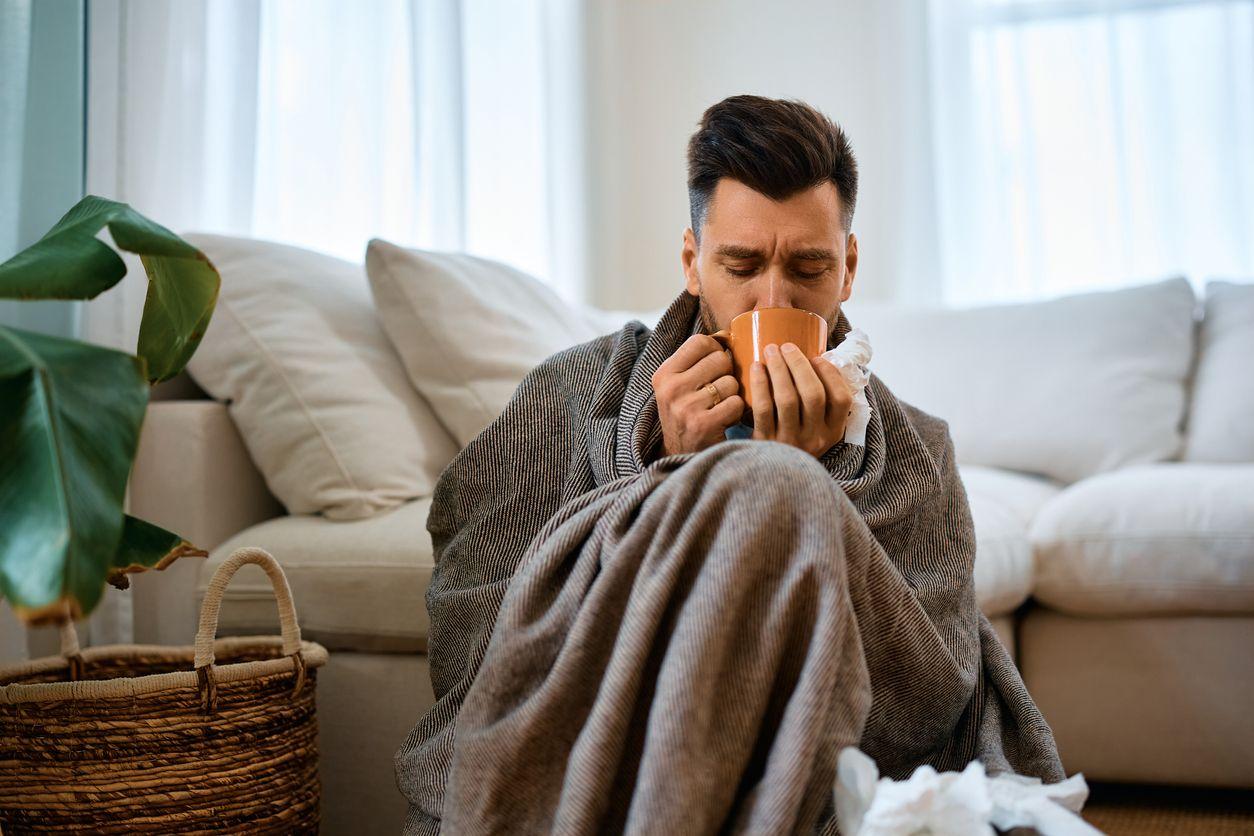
{"points": [[773, 146]]}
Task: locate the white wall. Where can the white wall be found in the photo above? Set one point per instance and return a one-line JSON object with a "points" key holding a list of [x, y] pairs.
{"points": [[656, 66]]}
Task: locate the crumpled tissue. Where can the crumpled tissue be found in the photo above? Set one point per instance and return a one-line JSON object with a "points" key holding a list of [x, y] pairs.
{"points": [[851, 358], [967, 803]]}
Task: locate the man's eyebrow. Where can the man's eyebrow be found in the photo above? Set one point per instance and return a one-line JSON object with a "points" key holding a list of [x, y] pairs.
{"points": [[814, 254], [737, 251], [808, 254]]}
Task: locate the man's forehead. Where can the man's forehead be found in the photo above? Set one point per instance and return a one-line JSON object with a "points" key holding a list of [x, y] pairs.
{"points": [[739, 216]]}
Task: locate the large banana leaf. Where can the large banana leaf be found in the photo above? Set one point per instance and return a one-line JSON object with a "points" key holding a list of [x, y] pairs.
{"points": [[147, 546], [70, 262], [70, 415]]}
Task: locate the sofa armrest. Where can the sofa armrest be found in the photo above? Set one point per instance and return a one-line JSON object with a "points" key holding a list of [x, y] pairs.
{"points": [[193, 476]]}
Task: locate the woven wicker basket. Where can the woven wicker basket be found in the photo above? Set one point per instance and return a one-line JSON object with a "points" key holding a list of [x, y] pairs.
{"points": [[220, 737]]}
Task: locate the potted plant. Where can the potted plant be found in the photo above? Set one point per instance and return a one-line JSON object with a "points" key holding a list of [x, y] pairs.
{"points": [[70, 412], [218, 735]]}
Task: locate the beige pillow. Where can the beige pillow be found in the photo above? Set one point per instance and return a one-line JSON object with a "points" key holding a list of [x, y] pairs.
{"points": [[469, 329], [1066, 387], [318, 394], [1221, 414]]}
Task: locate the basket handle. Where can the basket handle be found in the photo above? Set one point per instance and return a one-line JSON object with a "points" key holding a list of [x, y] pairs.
{"points": [[70, 650], [212, 604]]}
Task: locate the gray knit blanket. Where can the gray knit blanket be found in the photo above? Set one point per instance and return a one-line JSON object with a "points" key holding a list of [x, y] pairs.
{"points": [[683, 644]]}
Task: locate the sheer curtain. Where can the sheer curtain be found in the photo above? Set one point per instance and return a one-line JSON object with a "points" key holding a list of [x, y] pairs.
{"points": [[1082, 144], [433, 123], [443, 124], [14, 57]]}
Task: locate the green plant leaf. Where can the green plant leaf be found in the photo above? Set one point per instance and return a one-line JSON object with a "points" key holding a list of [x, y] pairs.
{"points": [[70, 262], [70, 415], [146, 546], [181, 298]]}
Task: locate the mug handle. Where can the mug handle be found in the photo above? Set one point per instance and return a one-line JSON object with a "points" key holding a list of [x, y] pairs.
{"points": [[724, 338]]}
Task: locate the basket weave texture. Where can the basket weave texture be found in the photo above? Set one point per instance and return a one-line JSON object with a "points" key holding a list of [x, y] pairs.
{"points": [[220, 737]]}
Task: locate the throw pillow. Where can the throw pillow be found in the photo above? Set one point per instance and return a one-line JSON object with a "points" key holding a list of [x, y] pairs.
{"points": [[1219, 427], [469, 329], [318, 394], [1065, 388]]}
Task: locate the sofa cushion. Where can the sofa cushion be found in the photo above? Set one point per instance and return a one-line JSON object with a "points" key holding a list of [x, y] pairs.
{"points": [[469, 329], [1066, 388], [358, 585], [1219, 427], [312, 383], [1164, 538], [1002, 507]]}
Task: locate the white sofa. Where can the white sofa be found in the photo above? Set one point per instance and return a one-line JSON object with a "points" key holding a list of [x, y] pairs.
{"points": [[1111, 483]]}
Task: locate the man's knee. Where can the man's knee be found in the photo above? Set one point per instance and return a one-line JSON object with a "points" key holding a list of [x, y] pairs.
{"points": [[778, 499], [765, 475], [758, 462]]}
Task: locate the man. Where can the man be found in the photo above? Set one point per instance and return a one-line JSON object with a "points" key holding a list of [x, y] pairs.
{"points": [[778, 240], [655, 611]]}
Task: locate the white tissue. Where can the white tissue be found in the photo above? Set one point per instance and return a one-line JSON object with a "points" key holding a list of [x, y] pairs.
{"points": [[851, 358], [954, 803]]}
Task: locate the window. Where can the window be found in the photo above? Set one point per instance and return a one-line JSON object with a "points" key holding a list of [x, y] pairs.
{"points": [[1086, 145]]}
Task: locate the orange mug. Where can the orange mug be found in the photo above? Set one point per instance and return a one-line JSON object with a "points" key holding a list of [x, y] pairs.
{"points": [[752, 331]]}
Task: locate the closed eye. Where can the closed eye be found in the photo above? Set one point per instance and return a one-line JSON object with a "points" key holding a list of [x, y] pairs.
{"points": [[750, 272]]}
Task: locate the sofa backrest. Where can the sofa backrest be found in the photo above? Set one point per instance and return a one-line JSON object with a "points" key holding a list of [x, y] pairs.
{"points": [[1064, 388]]}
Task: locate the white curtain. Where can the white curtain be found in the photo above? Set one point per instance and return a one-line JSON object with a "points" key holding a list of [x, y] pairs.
{"points": [[15, 24], [14, 50], [1082, 144], [433, 123]]}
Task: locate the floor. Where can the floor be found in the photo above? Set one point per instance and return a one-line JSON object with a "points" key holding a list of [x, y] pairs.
{"points": [[1125, 810]]}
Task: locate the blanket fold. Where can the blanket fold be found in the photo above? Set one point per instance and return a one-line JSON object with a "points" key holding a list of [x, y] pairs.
{"points": [[621, 642]]}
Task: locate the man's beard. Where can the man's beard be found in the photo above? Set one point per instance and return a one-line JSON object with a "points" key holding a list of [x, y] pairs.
{"points": [[709, 326]]}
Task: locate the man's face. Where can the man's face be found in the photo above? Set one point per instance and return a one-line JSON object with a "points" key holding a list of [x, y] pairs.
{"points": [[759, 253]]}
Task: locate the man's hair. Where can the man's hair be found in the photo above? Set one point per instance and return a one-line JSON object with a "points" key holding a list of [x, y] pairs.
{"points": [[773, 146]]}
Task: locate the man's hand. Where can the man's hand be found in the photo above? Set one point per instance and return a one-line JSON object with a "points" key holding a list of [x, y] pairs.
{"points": [[690, 419], [805, 403]]}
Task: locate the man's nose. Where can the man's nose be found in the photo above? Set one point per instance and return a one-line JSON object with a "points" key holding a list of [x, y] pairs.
{"points": [[776, 292]]}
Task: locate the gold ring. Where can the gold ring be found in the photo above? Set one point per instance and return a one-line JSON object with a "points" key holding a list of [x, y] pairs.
{"points": [[713, 390]]}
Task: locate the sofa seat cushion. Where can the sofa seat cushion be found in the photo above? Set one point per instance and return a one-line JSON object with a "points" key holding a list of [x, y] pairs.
{"points": [[358, 585], [1003, 504], [1167, 538]]}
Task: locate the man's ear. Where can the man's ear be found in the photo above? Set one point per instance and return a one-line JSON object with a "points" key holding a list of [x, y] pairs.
{"points": [[851, 267], [689, 258]]}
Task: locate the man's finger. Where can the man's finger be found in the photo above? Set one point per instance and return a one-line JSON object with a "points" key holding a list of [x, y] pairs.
{"points": [[763, 405], [708, 368], [784, 393], [693, 350], [810, 390], [726, 386], [727, 412]]}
